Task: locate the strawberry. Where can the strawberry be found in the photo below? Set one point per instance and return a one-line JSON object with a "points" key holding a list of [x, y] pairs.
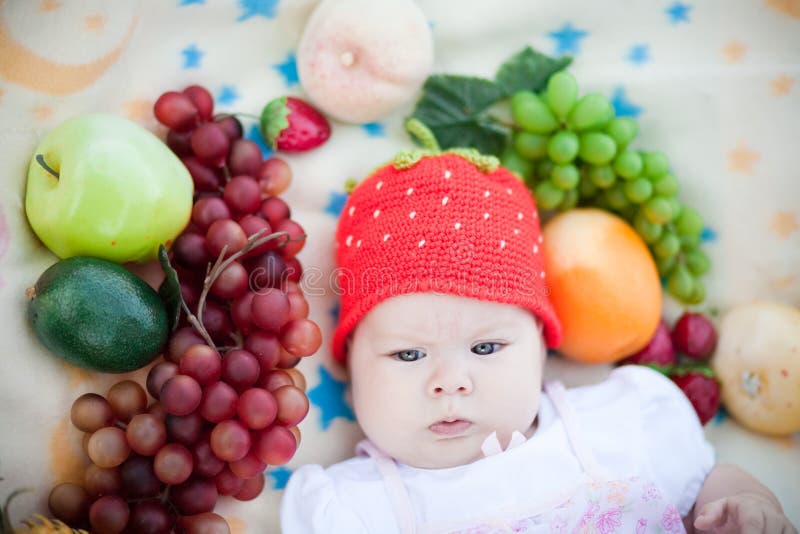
{"points": [[659, 350], [702, 390], [695, 336], [292, 125]]}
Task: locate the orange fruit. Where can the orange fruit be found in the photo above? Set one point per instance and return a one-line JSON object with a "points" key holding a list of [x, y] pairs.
{"points": [[604, 285]]}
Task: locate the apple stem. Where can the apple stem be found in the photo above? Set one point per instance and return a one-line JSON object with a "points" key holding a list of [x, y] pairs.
{"points": [[45, 166]]}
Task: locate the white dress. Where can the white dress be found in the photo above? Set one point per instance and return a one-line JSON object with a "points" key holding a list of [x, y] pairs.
{"points": [[635, 431]]}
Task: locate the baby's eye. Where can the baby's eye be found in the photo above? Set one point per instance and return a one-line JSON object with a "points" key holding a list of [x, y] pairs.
{"points": [[486, 348], [410, 355]]}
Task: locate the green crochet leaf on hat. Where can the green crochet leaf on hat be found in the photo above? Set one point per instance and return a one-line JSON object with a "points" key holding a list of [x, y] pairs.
{"points": [[485, 162], [349, 185], [406, 159]]}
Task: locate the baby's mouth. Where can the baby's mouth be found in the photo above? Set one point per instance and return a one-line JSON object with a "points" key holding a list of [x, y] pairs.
{"points": [[450, 427]]}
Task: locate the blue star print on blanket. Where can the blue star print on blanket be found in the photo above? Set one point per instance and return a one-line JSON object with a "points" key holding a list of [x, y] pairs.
{"points": [[254, 134], [261, 8], [374, 129], [678, 12], [227, 95], [328, 396], [280, 476], [639, 54], [622, 106], [568, 39], [192, 56], [336, 201], [288, 69]]}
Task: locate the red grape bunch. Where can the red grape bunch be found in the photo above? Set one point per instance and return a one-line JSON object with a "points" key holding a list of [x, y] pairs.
{"points": [[226, 399]]}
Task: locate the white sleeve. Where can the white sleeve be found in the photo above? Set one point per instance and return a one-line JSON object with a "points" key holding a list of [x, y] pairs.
{"points": [[677, 455], [310, 505]]}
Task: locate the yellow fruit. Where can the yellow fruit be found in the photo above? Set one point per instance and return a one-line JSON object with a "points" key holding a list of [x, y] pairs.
{"points": [[604, 285], [757, 361], [47, 526], [38, 525]]}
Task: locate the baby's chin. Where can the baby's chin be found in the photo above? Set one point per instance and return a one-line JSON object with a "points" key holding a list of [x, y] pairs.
{"points": [[443, 454]]}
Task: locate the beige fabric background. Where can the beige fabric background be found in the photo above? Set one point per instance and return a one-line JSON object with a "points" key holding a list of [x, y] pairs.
{"points": [[718, 92]]}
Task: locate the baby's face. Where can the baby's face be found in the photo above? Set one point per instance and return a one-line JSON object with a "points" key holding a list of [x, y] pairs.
{"points": [[433, 375]]}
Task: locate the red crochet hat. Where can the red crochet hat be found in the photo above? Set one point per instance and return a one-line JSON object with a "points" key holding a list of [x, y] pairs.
{"points": [[441, 225]]}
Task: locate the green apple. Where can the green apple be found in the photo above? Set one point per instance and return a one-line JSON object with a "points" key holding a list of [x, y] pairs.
{"points": [[102, 186]]}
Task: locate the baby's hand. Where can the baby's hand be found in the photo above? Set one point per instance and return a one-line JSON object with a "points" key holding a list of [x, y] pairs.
{"points": [[745, 512]]}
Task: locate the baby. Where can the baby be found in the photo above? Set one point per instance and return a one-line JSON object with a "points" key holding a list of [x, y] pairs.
{"points": [[444, 324]]}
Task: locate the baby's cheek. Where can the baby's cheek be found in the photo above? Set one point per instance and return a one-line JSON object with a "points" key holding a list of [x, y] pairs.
{"points": [[515, 398], [522, 378], [378, 398]]}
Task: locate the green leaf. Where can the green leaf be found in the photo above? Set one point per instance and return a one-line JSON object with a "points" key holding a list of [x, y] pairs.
{"points": [[528, 70], [274, 119], [170, 289], [454, 108]]}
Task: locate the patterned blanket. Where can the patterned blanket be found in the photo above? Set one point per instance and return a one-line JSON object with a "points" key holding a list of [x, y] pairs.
{"points": [[714, 84]]}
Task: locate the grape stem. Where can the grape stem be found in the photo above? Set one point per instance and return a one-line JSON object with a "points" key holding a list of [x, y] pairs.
{"points": [[238, 342], [255, 240], [165, 496]]}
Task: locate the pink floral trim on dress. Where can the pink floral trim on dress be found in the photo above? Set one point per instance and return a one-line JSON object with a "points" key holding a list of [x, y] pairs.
{"points": [[671, 520], [621, 506], [651, 493], [609, 521]]}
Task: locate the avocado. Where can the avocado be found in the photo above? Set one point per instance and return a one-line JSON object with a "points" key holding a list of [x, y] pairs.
{"points": [[95, 314]]}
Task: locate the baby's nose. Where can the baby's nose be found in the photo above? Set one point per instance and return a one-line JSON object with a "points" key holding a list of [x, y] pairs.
{"points": [[438, 390], [450, 379]]}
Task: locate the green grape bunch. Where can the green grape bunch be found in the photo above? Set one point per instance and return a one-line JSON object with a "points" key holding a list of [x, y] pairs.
{"points": [[572, 151]]}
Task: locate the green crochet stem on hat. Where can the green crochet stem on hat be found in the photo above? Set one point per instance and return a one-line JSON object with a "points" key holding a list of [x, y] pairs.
{"points": [[418, 130], [405, 159], [423, 135], [484, 162]]}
